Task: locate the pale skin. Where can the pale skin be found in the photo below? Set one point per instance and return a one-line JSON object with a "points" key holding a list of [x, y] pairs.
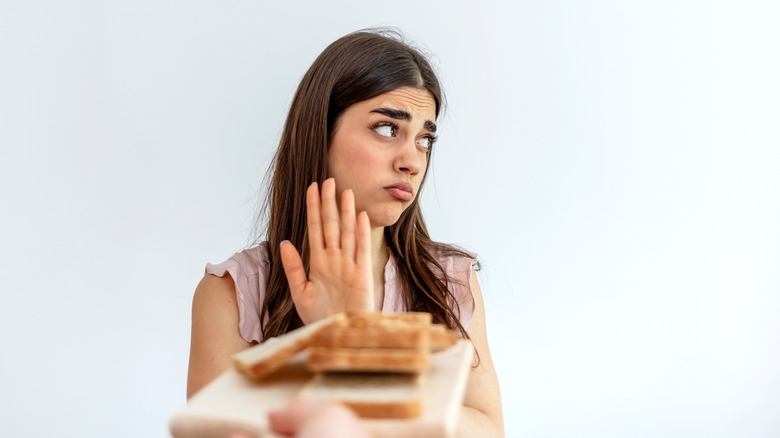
{"points": [[307, 419], [371, 149]]}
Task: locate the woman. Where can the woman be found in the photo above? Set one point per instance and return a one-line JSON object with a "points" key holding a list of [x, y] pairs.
{"points": [[357, 142]]}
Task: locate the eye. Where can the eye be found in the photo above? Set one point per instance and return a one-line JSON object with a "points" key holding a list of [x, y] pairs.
{"points": [[426, 142], [385, 129]]}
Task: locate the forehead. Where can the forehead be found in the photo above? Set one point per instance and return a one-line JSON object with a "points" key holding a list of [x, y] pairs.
{"points": [[419, 103]]}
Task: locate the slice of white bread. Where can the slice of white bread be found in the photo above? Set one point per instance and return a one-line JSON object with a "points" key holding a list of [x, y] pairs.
{"points": [[393, 360], [263, 359], [371, 395]]}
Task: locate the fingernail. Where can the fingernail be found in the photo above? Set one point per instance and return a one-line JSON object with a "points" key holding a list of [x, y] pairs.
{"points": [[283, 242]]}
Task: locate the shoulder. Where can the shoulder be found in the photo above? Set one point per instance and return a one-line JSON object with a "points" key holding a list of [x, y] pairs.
{"points": [[246, 273], [456, 262], [249, 262], [459, 266]]}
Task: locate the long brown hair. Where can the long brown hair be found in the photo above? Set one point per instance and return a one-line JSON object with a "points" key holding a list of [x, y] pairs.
{"points": [[354, 68]]}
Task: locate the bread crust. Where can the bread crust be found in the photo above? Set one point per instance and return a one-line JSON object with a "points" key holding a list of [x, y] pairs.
{"points": [[367, 319], [368, 359], [263, 359], [386, 336], [442, 338], [408, 409]]}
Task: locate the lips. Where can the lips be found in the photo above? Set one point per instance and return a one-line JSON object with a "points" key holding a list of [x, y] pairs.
{"points": [[401, 191]]}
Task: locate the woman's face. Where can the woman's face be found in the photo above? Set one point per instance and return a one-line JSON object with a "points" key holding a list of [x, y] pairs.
{"points": [[379, 150]]}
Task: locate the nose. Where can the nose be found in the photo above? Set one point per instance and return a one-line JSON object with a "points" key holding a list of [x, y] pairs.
{"points": [[409, 159]]}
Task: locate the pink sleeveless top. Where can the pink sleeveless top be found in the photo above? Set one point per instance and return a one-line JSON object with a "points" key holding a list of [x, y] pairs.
{"points": [[249, 270]]}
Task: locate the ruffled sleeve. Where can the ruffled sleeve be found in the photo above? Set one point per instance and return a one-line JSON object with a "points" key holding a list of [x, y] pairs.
{"points": [[459, 270], [249, 271]]}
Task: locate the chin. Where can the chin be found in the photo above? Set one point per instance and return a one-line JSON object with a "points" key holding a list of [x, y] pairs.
{"points": [[385, 217], [383, 222]]}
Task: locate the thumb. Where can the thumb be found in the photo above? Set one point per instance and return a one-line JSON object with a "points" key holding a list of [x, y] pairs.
{"points": [[293, 268], [307, 419], [290, 419]]}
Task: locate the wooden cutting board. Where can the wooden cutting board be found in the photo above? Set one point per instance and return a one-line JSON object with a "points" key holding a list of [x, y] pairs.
{"points": [[232, 403]]}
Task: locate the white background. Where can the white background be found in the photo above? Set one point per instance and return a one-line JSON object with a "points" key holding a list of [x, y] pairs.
{"points": [[615, 165]]}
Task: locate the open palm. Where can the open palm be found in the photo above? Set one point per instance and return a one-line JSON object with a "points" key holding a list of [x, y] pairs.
{"points": [[340, 274]]}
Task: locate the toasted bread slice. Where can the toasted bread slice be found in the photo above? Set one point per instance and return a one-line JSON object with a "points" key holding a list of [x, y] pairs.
{"points": [[441, 337], [373, 319], [408, 336], [371, 395], [410, 330], [259, 361], [368, 360]]}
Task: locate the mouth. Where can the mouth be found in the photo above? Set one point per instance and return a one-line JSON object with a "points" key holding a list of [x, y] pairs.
{"points": [[401, 191]]}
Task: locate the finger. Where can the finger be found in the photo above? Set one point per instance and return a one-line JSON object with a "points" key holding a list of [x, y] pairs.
{"points": [[293, 269], [363, 256], [313, 220], [330, 214], [348, 224], [289, 419]]}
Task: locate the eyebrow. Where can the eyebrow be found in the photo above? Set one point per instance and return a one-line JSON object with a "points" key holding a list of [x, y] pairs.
{"points": [[403, 115]]}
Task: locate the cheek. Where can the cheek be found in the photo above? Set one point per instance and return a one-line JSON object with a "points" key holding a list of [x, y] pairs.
{"points": [[354, 164], [363, 158]]}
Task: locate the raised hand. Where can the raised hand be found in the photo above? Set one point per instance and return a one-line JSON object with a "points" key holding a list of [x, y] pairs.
{"points": [[340, 273]]}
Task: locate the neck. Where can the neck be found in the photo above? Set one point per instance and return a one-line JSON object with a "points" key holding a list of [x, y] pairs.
{"points": [[379, 253]]}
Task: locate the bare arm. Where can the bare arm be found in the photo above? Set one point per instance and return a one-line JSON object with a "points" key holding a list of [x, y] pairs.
{"points": [[481, 414], [215, 336]]}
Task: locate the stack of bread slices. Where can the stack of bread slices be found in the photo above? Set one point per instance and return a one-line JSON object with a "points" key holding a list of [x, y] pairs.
{"points": [[373, 362]]}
